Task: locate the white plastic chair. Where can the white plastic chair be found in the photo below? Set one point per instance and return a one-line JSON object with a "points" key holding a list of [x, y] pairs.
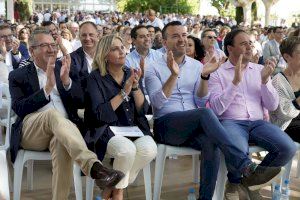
{"points": [[29, 157], [288, 166], [91, 182], [5, 122], [162, 152], [222, 174]]}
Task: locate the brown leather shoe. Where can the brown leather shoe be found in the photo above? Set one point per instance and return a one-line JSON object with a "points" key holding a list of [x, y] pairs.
{"points": [[104, 177]]}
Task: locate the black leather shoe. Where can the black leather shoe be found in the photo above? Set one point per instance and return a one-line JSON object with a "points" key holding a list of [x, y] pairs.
{"points": [[104, 177]]}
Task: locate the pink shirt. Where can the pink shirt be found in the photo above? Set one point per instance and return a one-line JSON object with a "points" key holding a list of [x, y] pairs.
{"points": [[247, 100]]}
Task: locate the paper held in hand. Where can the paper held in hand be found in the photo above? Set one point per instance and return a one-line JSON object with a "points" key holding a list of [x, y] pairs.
{"points": [[127, 131]]}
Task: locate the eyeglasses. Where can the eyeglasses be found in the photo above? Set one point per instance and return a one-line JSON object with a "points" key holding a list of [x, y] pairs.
{"points": [[5, 37], [43, 45], [211, 37]]}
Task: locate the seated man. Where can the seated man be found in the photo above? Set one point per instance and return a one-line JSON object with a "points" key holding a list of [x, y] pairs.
{"points": [[45, 96], [11, 49], [177, 85], [240, 90]]}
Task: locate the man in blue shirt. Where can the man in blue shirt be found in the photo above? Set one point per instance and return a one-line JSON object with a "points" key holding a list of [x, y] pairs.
{"points": [[178, 90]]}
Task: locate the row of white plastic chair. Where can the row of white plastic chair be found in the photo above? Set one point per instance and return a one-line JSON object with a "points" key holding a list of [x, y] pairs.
{"points": [[26, 156]]}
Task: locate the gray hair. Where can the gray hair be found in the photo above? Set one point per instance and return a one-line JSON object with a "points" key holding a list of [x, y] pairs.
{"points": [[40, 30]]}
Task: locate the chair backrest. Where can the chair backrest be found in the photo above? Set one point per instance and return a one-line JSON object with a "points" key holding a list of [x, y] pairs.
{"points": [[8, 120]]}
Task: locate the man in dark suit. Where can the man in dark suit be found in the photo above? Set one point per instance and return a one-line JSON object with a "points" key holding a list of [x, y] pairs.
{"points": [[10, 48], [83, 57], [45, 95]]}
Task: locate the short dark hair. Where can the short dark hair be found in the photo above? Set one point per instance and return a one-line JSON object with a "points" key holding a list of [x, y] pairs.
{"points": [[229, 39], [173, 23], [133, 33], [157, 29], [276, 27], [289, 45], [203, 34], [150, 26], [47, 23], [199, 48], [5, 26]]}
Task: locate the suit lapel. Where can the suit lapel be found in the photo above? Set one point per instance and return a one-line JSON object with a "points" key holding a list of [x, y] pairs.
{"points": [[33, 78], [84, 61]]}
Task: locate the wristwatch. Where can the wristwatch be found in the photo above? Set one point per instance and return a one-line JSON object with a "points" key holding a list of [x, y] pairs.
{"points": [[205, 78], [124, 95]]}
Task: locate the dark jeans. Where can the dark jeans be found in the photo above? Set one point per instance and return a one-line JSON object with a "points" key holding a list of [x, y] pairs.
{"points": [[201, 130], [280, 146]]}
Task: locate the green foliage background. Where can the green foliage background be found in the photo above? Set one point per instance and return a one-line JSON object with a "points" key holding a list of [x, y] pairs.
{"points": [[163, 6]]}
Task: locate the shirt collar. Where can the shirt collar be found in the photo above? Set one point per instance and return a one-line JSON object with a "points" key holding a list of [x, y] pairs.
{"points": [[136, 53], [38, 69], [229, 65]]}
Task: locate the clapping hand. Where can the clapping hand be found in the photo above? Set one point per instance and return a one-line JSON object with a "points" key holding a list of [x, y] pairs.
{"points": [[212, 65], [50, 83], [238, 71], [65, 70], [172, 65], [267, 71]]}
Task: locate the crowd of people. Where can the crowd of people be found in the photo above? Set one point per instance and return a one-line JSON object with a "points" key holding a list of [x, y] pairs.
{"points": [[210, 84]]}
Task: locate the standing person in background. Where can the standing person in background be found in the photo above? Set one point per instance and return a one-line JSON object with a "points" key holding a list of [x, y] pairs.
{"points": [[196, 31], [153, 20]]}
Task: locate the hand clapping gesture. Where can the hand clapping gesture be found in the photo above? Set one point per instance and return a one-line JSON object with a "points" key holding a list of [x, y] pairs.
{"points": [[238, 71], [212, 65], [50, 83], [172, 65], [65, 70], [267, 71]]}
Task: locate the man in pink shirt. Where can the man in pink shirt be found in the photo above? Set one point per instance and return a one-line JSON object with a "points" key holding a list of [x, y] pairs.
{"points": [[240, 91]]}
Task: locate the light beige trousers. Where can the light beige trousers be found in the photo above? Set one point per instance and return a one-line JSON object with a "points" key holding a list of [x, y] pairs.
{"points": [[131, 156], [50, 130]]}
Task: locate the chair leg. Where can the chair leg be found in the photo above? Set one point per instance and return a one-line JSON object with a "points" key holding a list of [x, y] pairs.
{"points": [[77, 181], [221, 181], [18, 173], [4, 183], [196, 168], [298, 165], [89, 188], [159, 171], [286, 174], [30, 175], [147, 181]]}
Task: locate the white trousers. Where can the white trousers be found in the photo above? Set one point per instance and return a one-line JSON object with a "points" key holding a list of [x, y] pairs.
{"points": [[131, 156]]}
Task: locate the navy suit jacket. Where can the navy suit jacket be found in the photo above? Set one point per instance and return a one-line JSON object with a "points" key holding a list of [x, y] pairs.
{"points": [[79, 61], [27, 97], [24, 55]]}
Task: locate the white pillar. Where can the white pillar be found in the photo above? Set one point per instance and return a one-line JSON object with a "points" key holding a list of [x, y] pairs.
{"points": [[268, 5], [246, 5], [247, 13], [10, 10]]}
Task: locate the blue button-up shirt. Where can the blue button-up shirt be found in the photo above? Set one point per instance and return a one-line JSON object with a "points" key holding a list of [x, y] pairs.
{"points": [[133, 58], [184, 95]]}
